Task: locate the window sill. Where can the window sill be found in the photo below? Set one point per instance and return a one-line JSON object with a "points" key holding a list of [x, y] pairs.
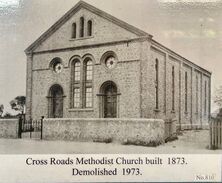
{"points": [[156, 110], [173, 111], [81, 38], [186, 113], [81, 110]]}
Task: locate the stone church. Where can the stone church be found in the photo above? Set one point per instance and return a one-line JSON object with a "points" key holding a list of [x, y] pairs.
{"points": [[90, 64]]}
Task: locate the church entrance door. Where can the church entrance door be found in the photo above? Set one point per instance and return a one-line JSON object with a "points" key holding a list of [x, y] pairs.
{"points": [[110, 100], [56, 102]]}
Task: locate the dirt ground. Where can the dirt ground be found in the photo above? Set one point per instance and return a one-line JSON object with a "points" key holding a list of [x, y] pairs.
{"points": [[190, 142]]}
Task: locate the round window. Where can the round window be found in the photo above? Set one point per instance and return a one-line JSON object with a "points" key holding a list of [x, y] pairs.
{"points": [[110, 62], [56, 65]]}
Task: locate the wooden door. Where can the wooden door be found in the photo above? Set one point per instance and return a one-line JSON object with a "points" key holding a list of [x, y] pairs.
{"points": [[56, 102], [110, 102]]}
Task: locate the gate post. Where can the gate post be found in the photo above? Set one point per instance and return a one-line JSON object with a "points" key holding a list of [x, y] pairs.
{"points": [[42, 125], [20, 127]]}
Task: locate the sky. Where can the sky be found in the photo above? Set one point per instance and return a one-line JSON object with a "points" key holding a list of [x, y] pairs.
{"points": [[191, 28]]}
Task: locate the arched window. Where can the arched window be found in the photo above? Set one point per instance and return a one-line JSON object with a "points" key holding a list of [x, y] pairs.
{"points": [[75, 84], [81, 27], [89, 28], [205, 97], [157, 83], [88, 72], [173, 88], [186, 93], [77, 71], [74, 30], [89, 69], [197, 94]]}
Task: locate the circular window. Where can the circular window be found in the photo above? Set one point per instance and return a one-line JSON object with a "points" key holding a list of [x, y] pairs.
{"points": [[56, 65], [110, 62], [109, 59]]}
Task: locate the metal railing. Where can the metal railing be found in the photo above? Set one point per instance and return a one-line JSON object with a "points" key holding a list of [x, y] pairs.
{"points": [[30, 126]]}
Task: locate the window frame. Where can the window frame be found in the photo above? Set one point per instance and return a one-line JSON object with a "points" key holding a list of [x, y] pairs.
{"points": [[87, 83], [82, 83], [75, 84]]}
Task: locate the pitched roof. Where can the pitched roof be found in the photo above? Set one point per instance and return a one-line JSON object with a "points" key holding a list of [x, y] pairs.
{"points": [[72, 11]]}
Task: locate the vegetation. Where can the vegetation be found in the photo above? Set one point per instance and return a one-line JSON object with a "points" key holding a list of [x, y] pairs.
{"points": [[218, 97], [8, 115], [1, 110], [18, 104]]}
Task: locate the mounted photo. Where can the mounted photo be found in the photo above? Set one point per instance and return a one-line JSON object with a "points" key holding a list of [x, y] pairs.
{"points": [[110, 77]]}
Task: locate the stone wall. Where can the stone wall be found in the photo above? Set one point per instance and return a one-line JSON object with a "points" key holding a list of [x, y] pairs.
{"points": [[126, 76], [147, 131], [103, 31], [198, 89], [8, 128]]}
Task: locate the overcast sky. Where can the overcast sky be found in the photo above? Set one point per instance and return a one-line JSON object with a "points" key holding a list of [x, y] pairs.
{"points": [[192, 28]]}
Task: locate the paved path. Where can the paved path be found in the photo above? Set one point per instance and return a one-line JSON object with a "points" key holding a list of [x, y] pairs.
{"points": [[189, 142]]}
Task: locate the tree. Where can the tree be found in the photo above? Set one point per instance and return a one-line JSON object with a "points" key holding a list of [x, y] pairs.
{"points": [[1, 109], [218, 97], [18, 104]]}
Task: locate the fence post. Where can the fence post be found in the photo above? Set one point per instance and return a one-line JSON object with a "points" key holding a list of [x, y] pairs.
{"points": [[30, 127], [42, 126], [20, 127], [211, 133]]}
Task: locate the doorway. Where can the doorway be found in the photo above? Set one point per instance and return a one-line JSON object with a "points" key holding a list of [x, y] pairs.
{"points": [[109, 93], [56, 102]]}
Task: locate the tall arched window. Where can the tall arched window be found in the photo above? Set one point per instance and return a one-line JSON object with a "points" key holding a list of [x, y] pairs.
{"points": [[173, 88], [81, 27], [157, 83], [186, 92], [74, 30], [89, 28], [88, 71], [197, 94], [77, 71], [205, 97], [75, 84]]}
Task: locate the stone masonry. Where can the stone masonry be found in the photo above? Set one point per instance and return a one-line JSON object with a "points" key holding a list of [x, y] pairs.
{"points": [[187, 100]]}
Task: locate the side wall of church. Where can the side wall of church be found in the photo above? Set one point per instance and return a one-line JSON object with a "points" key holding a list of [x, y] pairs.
{"points": [[125, 75], [188, 99]]}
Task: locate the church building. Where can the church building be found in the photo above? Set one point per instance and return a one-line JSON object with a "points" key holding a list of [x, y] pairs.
{"points": [[90, 64]]}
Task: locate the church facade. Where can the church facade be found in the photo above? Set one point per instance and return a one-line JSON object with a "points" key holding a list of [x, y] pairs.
{"points": [[90, 64]]}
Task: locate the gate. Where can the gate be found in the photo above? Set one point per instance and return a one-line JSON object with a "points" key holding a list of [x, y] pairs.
{"points": [[216, 134], [30, 126]]}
